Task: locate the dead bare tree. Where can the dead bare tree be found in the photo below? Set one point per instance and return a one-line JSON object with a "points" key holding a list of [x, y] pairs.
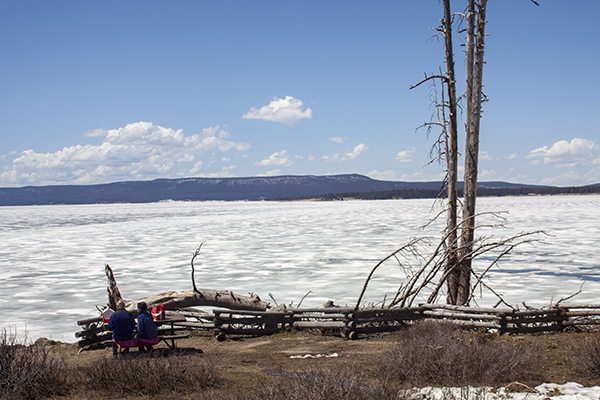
{"points": [[459, 238]]}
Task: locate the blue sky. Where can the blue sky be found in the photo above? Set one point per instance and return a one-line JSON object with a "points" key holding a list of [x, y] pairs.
{"points": [[95, 92]]}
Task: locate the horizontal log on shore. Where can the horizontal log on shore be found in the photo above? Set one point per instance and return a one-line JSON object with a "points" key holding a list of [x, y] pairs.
{"points": [[582, 322], [550, 311], [88, 321], [442, 314], [318, 325], [467, 309], [95, 339], [533, 320], [197, 325], [386, 318], [567, 306], [320, 316], [217, 312], [388, 311], [471, 324], [327, 310], [582, 313], [197, 315], [251, 320]]}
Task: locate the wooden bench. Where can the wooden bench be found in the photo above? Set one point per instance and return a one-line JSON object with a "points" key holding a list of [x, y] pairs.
{"points": [[136, 342]]}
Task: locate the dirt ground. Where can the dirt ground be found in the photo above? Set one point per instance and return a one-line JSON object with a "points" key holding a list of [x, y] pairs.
{"points": [[241, 361]]}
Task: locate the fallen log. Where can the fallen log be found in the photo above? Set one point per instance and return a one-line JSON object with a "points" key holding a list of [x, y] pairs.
{"points": [[186, 298]]}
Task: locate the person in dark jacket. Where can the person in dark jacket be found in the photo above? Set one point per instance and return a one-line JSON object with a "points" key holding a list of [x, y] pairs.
{"points": [[146, 327], [122, 324]]}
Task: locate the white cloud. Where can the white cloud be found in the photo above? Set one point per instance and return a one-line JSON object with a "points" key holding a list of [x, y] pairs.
{"points": [[338, 139], [483, 155], [346, 155], [310, 157], [406, 155], [225, 172], [489, 174], [95, 133], [564, 154], [274, 172], [138, 151], [279, 158], [388, 175], [571, 178], [286, 111], [512, 156]]}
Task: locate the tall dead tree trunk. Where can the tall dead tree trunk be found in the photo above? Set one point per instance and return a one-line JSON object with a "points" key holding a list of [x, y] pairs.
{"points": [[451, 159], [476, 13]]}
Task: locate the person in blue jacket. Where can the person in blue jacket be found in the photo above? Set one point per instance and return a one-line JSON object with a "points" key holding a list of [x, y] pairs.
{"points": [[122, 324], [146, 327]]}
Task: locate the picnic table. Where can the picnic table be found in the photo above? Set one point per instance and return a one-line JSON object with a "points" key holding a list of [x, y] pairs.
{"points": [[169, 323]]}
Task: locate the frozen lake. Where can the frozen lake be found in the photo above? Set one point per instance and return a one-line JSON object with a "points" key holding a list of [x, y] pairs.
{"points": [[52, 257]]}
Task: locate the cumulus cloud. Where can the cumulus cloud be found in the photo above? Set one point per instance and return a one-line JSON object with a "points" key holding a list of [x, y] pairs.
{"points": [[286, 111], [279, 159], [139, 150], [346, 155], [338, 139], [406, 155], [564, 154], [489, 174], [388, 175], [483, 155], [512, 156]]}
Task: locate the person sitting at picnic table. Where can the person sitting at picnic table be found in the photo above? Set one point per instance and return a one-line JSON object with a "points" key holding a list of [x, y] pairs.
{"points": [[146, 327], [122, 324]]}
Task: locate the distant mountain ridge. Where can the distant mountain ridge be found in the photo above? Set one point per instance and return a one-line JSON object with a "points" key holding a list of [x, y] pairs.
{"points": [[205, 189]]}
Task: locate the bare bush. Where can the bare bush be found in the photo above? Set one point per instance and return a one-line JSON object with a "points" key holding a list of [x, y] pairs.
{"points": [[434, 353], [587, 359], [148, 375], [313, 384], [29, 371]]}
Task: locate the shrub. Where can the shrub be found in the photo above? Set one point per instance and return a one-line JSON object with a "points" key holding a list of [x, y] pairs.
{"points": [[149, 375], [439, 353], [587, 359], [29, 371]]}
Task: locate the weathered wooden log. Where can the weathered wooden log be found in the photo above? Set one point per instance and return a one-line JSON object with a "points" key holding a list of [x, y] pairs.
{"points": [[563, 306], [218, 312], [88, 321], [441, 314], [386, 318], [185, 298], [95, 339], [319, 325], [582, 313], [540, 319], [467, 309]]}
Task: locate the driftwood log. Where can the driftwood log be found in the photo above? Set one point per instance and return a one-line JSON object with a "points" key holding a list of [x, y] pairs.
{"points": [[185, 298]]}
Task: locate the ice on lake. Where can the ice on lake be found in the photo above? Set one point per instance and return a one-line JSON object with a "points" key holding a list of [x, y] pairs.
{"points": [[52, 257]]}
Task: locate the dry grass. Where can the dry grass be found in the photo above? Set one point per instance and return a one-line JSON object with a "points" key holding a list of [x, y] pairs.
{"points": [[386, 366], [29, 371], [434, 353], [148, 375]]}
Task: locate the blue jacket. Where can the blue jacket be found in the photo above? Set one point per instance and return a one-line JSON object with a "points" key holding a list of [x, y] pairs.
{"points": [[146, 327], [122, 324]]}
